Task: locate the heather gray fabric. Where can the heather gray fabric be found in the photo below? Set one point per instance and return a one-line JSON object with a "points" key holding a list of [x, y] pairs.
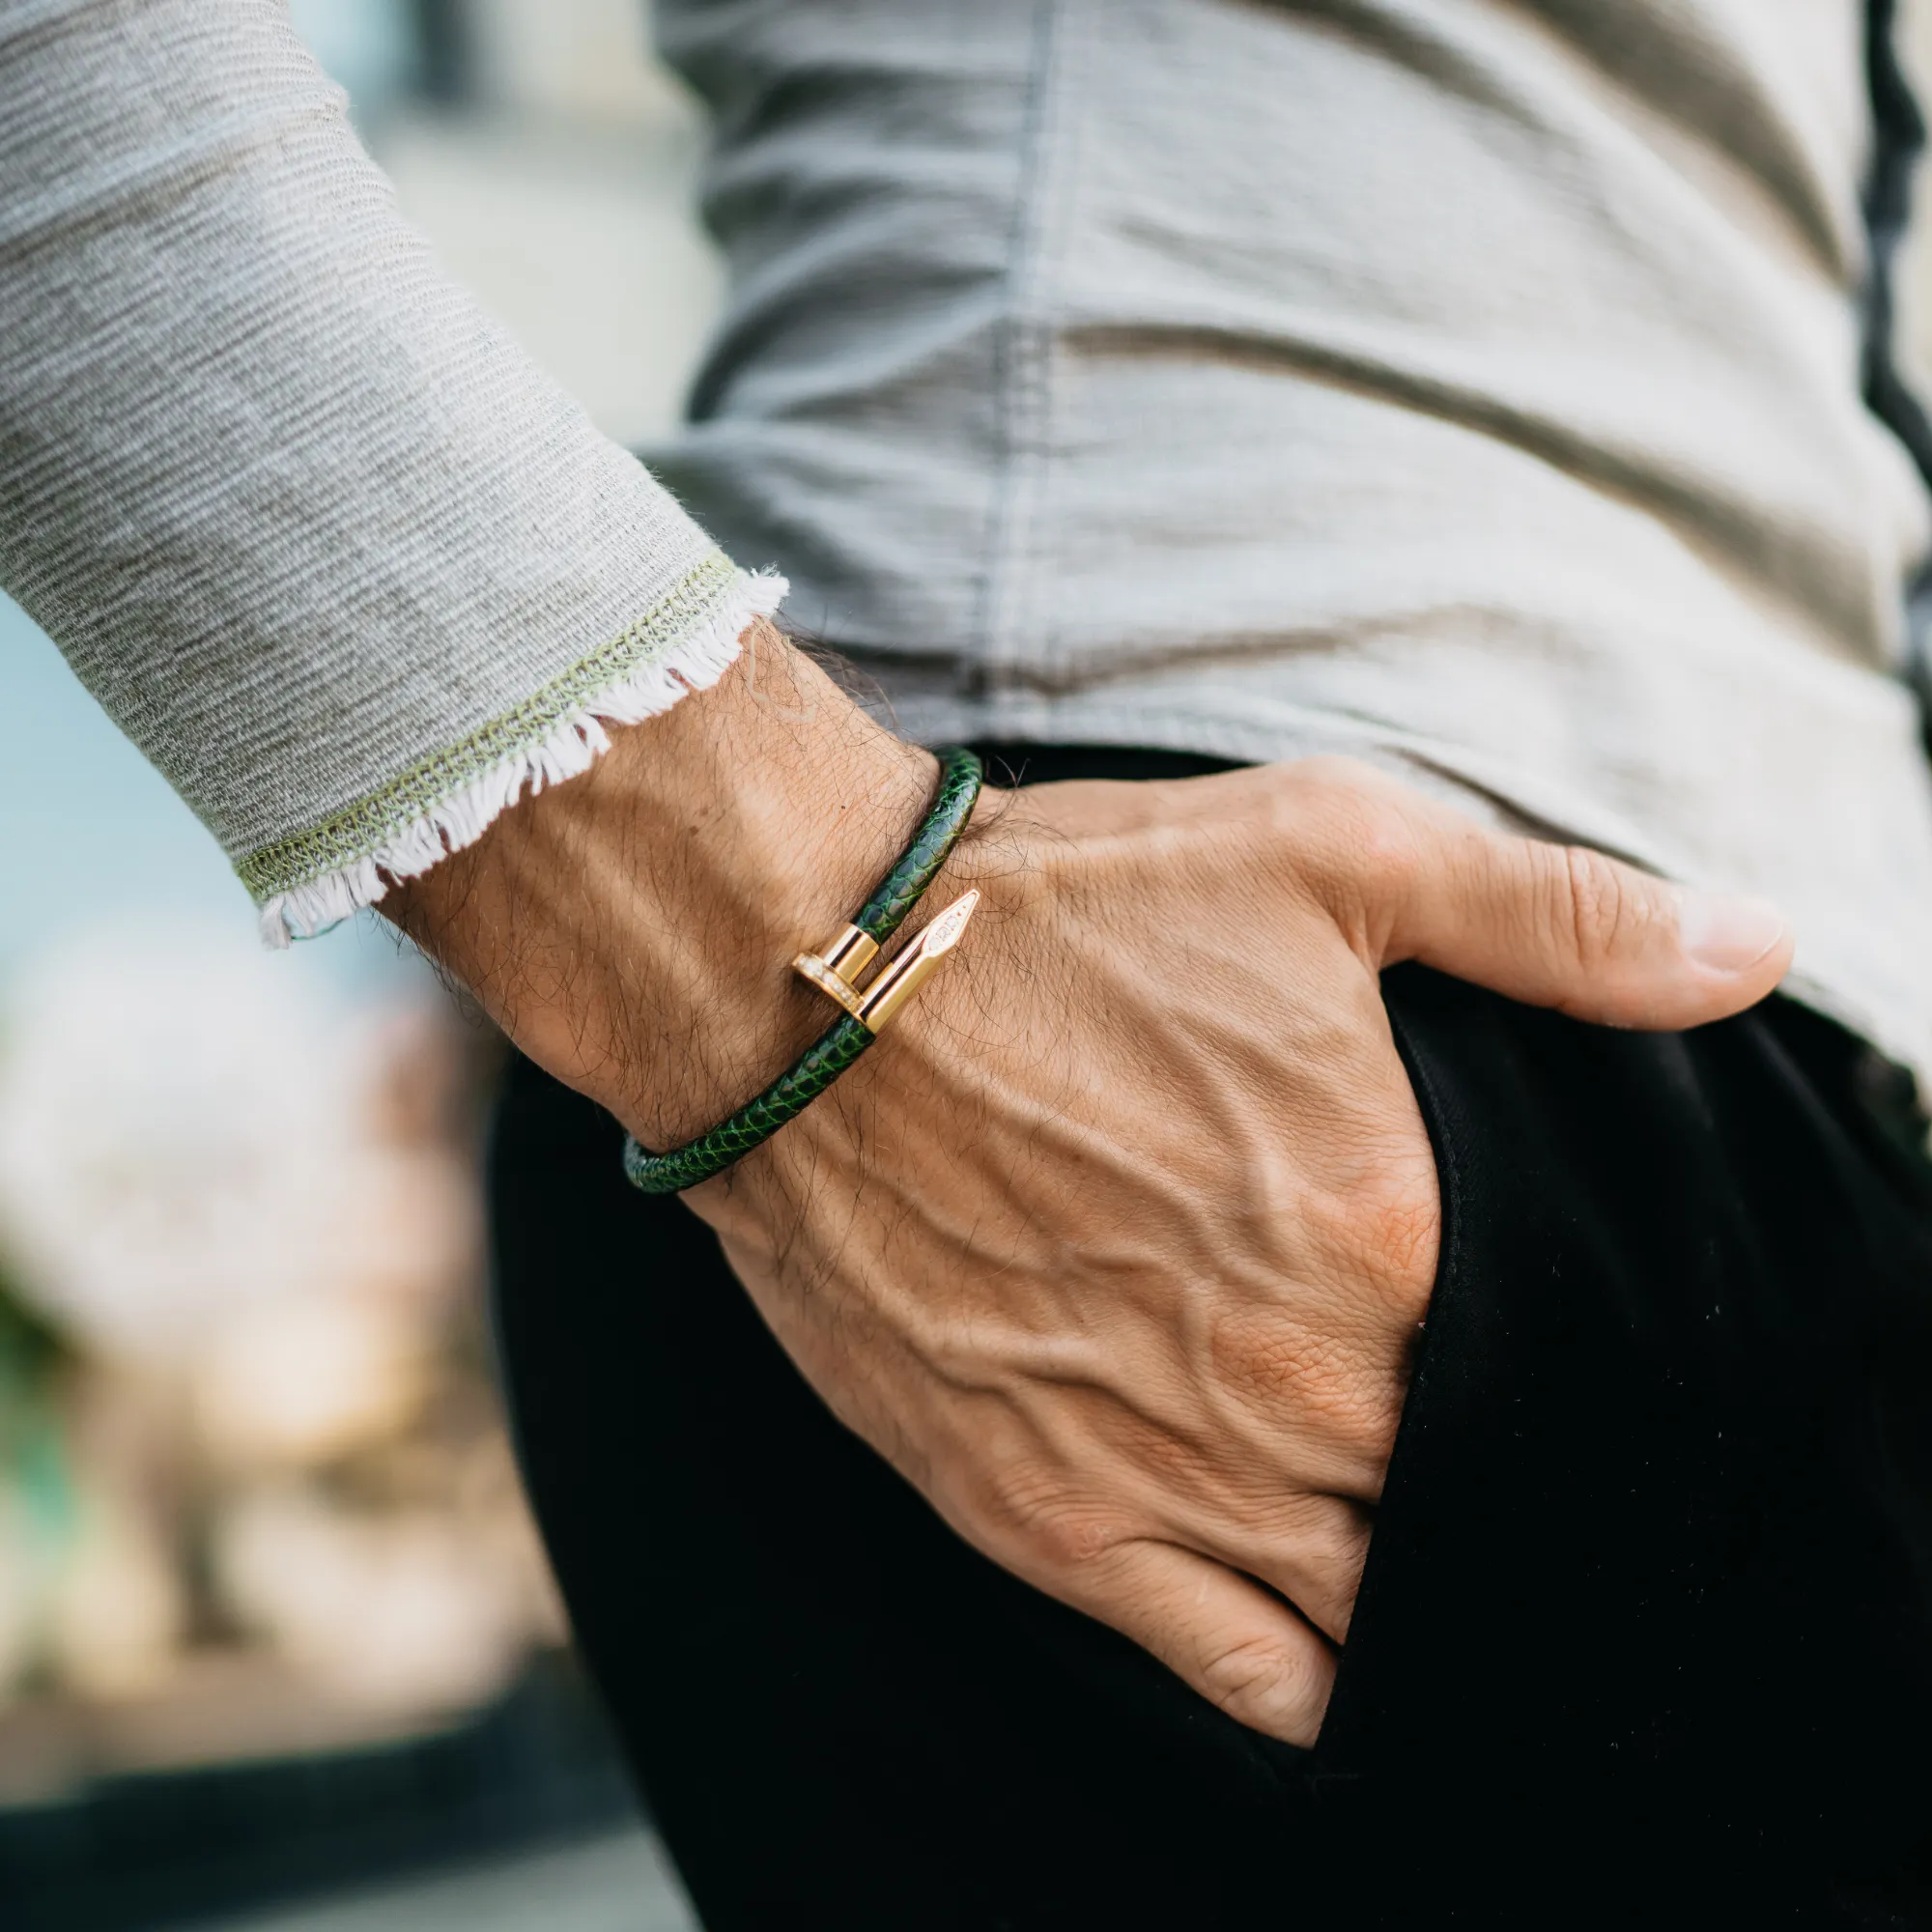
{"points": [[1468, 385], [317, 534]]}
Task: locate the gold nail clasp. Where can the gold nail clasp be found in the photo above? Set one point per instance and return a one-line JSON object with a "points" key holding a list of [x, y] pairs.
{"points": [[837, 971]]}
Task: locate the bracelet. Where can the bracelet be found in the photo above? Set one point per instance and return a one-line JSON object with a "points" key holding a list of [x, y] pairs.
{"points": [[837, 972]]}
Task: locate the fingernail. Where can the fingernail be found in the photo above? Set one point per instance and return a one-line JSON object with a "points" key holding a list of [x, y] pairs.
{"points": [[1727, 933]]}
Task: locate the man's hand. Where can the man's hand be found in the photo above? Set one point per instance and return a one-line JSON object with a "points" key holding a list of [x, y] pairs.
{"points": [[1118, 1243]]}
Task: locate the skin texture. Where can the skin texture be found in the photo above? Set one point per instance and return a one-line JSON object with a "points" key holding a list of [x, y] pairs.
{"points": [[1117, 1244]]}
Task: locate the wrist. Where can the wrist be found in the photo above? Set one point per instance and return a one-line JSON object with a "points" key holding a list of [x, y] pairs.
{"points": [[633, 929]]}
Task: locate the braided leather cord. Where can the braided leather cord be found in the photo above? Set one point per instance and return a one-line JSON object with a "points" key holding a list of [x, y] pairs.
{"points": [[900, 890], [788, 1096], [829, 1056]]}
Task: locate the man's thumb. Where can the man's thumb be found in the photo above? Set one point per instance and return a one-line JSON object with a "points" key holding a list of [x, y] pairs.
{"points": [[1564, 927]]}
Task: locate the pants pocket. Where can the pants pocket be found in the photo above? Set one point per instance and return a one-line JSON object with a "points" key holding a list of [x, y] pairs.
{"points": [[1649, 1599], [1347, 1745]]}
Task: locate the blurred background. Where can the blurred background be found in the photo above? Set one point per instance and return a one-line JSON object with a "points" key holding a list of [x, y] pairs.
{"points": [[278, 1652]]}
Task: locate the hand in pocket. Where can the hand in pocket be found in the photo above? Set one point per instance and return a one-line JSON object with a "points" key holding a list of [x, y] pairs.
{"points": [[1117, 1248]]}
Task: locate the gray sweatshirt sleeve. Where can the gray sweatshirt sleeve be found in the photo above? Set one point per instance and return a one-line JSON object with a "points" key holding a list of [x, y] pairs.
{"points": [[349, 569]]}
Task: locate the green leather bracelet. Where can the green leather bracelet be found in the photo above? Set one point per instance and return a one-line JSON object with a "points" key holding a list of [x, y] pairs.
{"points": [[960, 776]]}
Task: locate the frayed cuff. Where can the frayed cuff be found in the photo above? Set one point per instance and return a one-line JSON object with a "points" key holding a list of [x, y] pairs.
{"points": [[448, 801]]}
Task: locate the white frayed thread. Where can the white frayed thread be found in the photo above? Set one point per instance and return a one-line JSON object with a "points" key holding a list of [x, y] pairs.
{"points": [[571, 746]]}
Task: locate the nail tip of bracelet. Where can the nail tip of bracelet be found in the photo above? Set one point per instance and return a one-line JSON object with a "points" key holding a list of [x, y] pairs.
{"points": [[943, 935]]}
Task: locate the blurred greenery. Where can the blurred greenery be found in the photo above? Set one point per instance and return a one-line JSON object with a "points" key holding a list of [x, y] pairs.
{"points": [[34, 1459]]}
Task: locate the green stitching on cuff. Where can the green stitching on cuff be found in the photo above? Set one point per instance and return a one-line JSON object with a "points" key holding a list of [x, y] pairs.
{"points": [[363, 828]]}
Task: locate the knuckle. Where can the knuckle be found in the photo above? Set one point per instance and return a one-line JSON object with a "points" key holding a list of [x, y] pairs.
{"points": [[1349, 826], [1257, 1681], [1403, 1237], [1379, 1231], [1330, 773], [1043, 1528], [1598, 902], [1399, 1237], [1339, 1392], [1337, 1552]]}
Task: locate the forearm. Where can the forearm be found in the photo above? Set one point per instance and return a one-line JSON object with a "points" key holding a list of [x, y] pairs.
{"points": [[633, 930]]}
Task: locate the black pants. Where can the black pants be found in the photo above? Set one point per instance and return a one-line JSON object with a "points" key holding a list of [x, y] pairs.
{"points": [[1646, 1631]]}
